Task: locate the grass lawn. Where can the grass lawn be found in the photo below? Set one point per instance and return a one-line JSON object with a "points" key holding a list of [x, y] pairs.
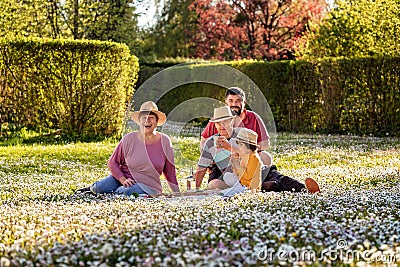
{"points": [[354, 220]]}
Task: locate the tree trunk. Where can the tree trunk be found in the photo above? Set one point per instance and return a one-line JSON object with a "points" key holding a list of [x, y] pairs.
{"points": [[76, 19]]}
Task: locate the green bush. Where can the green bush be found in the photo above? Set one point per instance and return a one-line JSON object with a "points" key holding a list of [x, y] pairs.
{"points": [[355, 28], [81, 87]]}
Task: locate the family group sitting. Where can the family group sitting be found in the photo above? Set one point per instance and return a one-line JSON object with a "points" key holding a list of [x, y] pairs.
{"points": [[232, 153]]}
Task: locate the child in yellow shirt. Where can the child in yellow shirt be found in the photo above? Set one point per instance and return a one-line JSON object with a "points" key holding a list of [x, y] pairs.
{"points": [[246, 164]]}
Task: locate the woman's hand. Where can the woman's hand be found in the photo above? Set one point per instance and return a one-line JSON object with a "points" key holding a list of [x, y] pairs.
{"points": [[128, 182]]}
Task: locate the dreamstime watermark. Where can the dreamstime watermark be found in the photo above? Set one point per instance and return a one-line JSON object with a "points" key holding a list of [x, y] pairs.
{"points": [[340, 252]]}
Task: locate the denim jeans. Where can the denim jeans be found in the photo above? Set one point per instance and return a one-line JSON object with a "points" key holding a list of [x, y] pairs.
{"points": [[112, 185]]}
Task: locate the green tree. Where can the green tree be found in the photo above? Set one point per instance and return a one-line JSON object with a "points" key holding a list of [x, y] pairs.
{"points": [[24, 18], [172, 34], [101, 20], [356, 28], [104, 20]]}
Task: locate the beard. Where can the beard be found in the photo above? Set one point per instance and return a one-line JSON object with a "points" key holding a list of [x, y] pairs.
{"points": [[236, 110]]}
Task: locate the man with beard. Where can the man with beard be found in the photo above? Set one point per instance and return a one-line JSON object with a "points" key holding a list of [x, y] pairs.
{"points": [[235, 99]]}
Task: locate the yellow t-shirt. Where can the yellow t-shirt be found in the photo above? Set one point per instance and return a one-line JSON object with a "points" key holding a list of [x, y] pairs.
{"points": [[250, 173]]}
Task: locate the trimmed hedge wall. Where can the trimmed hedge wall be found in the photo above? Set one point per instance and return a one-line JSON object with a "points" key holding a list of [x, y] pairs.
{"points": [[80, 87], [337, 95], [85, 87], [340, 96]]}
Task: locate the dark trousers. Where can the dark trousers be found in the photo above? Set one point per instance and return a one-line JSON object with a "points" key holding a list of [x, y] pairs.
{"points": [[278, 182], [214, 173]]}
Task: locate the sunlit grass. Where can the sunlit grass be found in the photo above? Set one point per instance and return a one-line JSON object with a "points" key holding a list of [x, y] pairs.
{"points": [[44, 224]]}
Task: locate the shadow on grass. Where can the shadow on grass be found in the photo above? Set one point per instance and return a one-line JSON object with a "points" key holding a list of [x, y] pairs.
{"points": [[56, 137]]}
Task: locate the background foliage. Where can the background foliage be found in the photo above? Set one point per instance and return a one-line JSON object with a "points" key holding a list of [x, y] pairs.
{"points": [[229, 30], [356, 28]]}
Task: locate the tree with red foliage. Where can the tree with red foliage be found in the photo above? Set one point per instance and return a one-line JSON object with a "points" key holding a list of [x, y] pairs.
{"points": [[254, 29]]}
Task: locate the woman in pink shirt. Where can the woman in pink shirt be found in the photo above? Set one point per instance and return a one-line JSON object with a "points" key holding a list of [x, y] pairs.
{"points": [[140, 158]]}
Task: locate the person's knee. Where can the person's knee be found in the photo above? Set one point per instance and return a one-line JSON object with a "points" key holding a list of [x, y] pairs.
{"points": [[127, 191], [136, 188], [230, 179], [266, 158], [106, 185], [217, 184]]}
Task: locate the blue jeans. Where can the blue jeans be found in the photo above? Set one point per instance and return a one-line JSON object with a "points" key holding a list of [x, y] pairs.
{"points": [[112, 185]]}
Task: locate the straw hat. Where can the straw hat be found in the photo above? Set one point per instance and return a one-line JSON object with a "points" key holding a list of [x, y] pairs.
{"points": [[246, 136], [221, 114], [149, 106]]}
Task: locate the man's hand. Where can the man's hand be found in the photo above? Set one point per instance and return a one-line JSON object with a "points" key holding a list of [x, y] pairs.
{"points": [[199, 175], [222, 142]]}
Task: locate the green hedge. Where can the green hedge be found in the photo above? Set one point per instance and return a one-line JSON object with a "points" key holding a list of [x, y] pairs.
{"points": [[340, 96], [81, 87], [337, 95]]}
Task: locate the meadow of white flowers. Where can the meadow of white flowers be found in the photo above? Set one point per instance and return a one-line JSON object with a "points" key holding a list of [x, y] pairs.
{"points": [[355, 220]]}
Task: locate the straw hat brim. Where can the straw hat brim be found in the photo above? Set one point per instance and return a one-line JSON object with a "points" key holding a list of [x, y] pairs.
{"points": [[162, 118], [245, 141], [221, 119]]}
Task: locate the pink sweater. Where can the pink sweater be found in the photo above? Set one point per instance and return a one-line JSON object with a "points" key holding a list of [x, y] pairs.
{"points": [[144, 163]]}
